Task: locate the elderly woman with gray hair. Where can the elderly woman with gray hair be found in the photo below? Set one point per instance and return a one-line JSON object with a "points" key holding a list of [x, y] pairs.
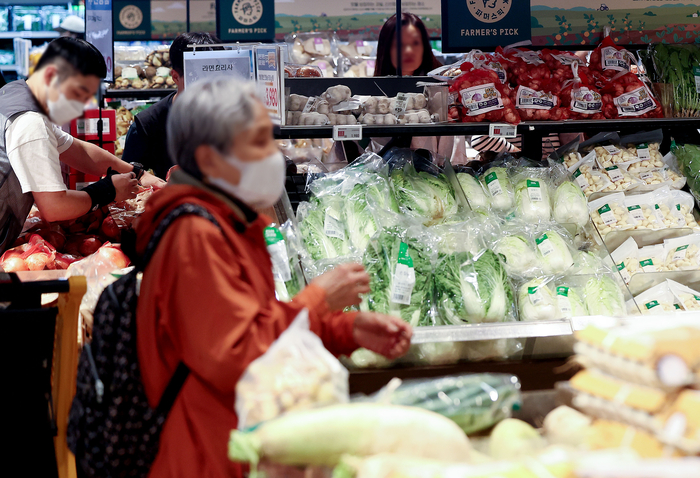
{"points": [[207, 298]]}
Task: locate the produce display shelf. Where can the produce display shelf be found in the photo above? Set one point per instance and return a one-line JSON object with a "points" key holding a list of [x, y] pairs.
{"points": [[459, 129], [8, 67], [29, 35], [139, 94]]}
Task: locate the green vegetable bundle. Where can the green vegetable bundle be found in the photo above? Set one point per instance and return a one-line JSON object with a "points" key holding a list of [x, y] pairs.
{"points": [[423, 195], [393, 260], [360, 222], [474, 402], [283, 246], [689, 161], [472, 289], [322, 229], [678, 65]]}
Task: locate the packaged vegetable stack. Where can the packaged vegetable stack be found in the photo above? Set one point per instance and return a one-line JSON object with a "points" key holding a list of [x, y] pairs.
{"points": [[134, 69], [337, 106], [640, 387], [318, 49], [358, 59]]}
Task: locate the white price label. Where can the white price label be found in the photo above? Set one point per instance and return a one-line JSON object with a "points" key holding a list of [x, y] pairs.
{"points": [[644, 154], [626, 276], [611, 149], [615, 174], [647, 265], [332, 227], [494, 184], [280, 261], [545, 246], [502, 130], [646, 176], [535, 295], [89, 126], [636, 213], [310, 103], [565, 305], [347, 132], [606, 215], [318, 44], [581, 180], [404, 281], [400, 104], [534, 191], [129, 73], [680, 253]]}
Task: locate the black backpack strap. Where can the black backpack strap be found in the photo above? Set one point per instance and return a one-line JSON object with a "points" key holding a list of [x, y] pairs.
{"points": [[182, 371]]}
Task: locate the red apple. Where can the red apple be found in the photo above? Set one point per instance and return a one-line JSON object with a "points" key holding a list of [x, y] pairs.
{"points": [[110, 228], [89, 246]]}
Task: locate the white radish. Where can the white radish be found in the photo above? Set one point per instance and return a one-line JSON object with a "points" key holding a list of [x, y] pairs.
{"points": [[321, 436]]}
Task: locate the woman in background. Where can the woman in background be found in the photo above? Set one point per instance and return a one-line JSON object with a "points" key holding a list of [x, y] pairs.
{"points": [[417, 57]]}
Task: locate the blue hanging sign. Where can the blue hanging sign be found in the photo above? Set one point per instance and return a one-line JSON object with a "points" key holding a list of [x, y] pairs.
{"points": [[468, 24]]}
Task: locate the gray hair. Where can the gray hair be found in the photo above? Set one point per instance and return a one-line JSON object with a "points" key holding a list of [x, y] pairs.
{"points": [[211, 112]]}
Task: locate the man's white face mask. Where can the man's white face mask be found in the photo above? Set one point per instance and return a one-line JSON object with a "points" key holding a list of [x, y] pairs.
{"points": [[63, 110]]}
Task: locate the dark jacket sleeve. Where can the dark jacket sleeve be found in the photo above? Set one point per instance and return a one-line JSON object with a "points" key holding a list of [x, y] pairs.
{"points": [[136, 144]]}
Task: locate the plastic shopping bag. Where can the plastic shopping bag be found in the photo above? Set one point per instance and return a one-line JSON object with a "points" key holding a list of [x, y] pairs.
{"points": [[296, 373]]}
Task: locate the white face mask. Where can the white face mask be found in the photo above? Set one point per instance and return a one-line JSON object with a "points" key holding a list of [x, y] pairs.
{"points": [[261, 184], [63, 110]]}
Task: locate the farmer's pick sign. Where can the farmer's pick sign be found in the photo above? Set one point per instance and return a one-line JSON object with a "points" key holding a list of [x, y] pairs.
{"points": [[468, 24]]}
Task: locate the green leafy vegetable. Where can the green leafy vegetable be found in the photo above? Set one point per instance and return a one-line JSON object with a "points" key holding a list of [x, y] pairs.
{"points": [[315, 228], [532, 200], [478, 200], [570, 205], [553, 252], [381, 260], [518, 256], [472, 289], [537, 301], [360, 223], [423, 195]]}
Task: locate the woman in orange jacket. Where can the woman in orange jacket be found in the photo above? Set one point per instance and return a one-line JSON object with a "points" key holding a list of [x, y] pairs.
{"points": [[208, 297]]}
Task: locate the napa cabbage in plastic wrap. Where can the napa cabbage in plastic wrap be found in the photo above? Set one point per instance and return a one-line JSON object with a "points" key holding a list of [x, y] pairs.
{"points": [[570, 301], [360, 220], [423, 195], [498, 188], [478, 200], [322, 228], [553, 252], [537, 301], [400, 265], [532, 201], [473, 289], [570, 205], [604, 297], [518, 255]]}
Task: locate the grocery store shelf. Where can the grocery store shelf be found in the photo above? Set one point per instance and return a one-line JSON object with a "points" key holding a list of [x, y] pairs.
{"points": [[504, 330], [29, 35], [460, 129], [139, 94], [8, 67]]}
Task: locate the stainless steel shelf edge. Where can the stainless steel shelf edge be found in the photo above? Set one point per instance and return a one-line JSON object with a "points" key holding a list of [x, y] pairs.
{"points": [[505, 330], [29, 35]]}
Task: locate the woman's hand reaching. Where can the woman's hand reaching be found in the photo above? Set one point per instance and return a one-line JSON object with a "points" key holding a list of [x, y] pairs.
{"points": [[343, 285]]}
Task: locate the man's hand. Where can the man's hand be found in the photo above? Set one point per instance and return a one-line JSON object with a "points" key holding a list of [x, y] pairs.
{"points": [[126, 186], [343, 285], [384, 334], [149, 180]]}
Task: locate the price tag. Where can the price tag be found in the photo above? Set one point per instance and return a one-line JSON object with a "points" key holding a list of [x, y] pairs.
{"points": [[310, 103], [607, 215], [622, 269], [647, 176], [535, 295], [534, 191], [680, 253], [404, 277], [502, 130], [400, 104], [332, 227], [612, 150], [647, 265], [643, 152], [564, 301], [278, 254], [129, 73], [651, 305], [544, 245], [494, 184], [581, 180], [318, 44], [636, 212], [349, 132], [615, 174], [370, 65]]}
